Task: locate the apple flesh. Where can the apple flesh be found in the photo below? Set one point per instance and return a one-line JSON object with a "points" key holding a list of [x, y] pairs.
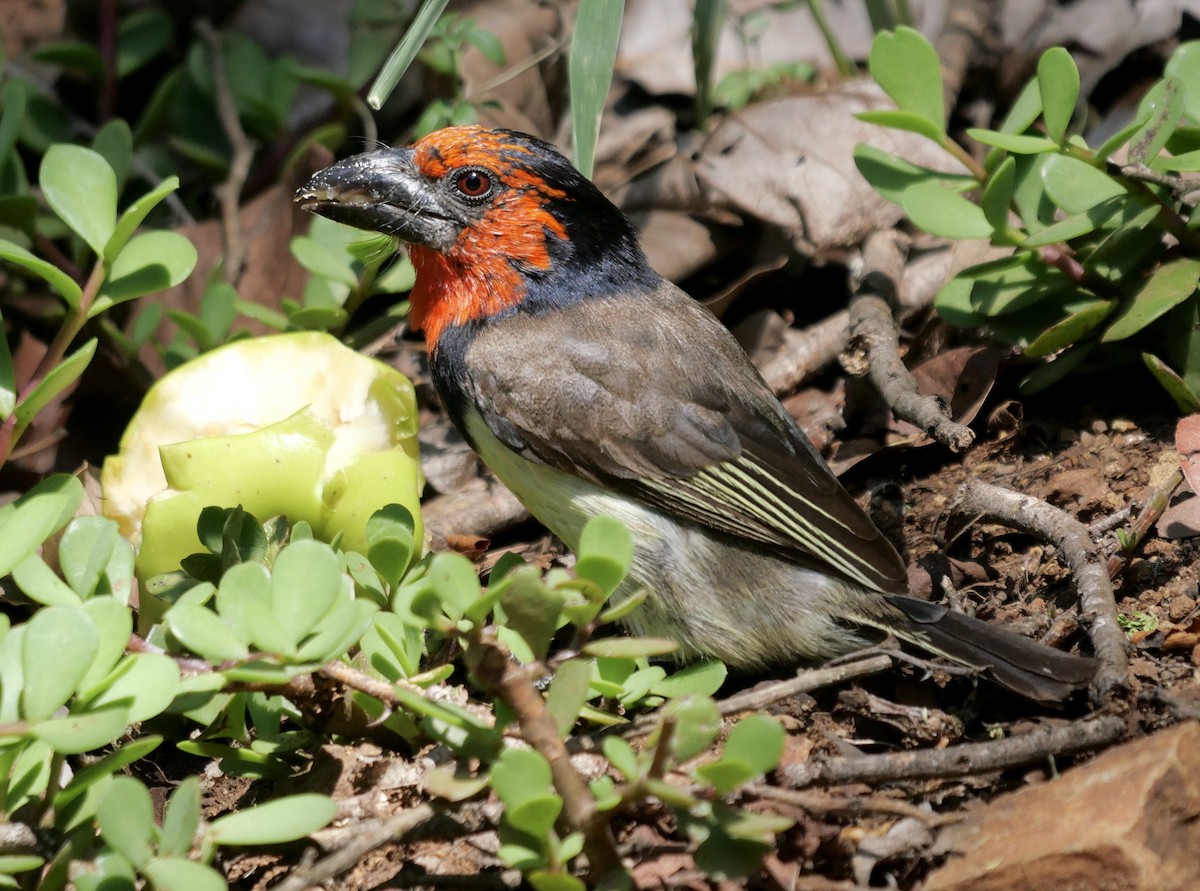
{"points": [[292, 424]]}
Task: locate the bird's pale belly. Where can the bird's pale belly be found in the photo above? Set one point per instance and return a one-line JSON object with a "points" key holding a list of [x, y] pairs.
{"points": [[715, 595]]}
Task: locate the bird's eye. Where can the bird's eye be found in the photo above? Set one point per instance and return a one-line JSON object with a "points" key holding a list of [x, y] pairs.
{"points": [[473, 183]]}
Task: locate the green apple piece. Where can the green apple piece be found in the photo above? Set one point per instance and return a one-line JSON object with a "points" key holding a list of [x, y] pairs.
{"points": [[294, 424]]}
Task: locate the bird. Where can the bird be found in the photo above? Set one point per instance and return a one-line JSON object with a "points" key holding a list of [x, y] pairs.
{"points": [[592, 386]]}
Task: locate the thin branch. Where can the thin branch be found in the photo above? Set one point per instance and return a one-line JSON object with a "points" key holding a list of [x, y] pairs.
{"points": [[492, 666], [963, 760], [804, 682], [852, 806], [229, 193], [1157, 503], [806, 352], [393, 829], [983, 501], [875, 345]]}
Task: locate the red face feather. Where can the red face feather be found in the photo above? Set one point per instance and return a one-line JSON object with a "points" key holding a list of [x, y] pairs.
{"points": [[483, 273]]}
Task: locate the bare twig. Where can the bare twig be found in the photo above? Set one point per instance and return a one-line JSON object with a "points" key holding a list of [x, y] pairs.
{"points": [[875, 345], [1155, 505], [491, 665], [804, 682], [983, 501], [858, 804], [961, 43], [229, 193], [806, 352], [393, 829], [963, 760]]}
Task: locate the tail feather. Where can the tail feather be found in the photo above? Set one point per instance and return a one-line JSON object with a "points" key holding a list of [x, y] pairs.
{"points": [[1022, 665]]}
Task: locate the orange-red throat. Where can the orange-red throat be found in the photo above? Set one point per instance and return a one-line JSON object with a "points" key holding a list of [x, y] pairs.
{"points": [[485, 271]]}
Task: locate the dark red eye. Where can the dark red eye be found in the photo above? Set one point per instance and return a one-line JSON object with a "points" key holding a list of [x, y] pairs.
{"points": [[473, 183]]}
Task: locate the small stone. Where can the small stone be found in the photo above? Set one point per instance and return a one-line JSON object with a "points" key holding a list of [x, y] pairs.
{"points": [[1180, 607], [1127, 821], [1098, 426]]}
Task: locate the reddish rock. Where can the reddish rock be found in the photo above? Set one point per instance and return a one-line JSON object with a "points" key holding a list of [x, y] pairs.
{"points": [[1127, 821]]}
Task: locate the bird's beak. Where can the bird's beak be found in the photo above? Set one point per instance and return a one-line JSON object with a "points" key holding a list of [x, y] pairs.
{"points": [[383, 192]]}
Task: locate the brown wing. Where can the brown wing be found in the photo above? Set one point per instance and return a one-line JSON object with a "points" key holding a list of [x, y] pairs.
{"points": [[674, 416]]}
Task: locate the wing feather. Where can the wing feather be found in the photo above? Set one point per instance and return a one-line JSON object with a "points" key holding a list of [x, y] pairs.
{"points": [[706, 442]]}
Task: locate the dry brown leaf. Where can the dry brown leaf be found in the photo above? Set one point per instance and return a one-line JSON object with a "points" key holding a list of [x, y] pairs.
{"points": [[655, 49], [1180, 520], [790, 163], [24, 24], [518, 87], [1187, 443]]}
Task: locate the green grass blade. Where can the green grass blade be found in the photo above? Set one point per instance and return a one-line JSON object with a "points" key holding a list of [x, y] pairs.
{"points": [[404, 53], [593, 53]]}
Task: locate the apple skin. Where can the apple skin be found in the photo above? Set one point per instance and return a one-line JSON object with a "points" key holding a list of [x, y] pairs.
{"points": [[292, 424]]}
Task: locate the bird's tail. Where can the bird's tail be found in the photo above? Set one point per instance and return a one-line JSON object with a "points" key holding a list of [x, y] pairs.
{"points": [[1022, 665]]}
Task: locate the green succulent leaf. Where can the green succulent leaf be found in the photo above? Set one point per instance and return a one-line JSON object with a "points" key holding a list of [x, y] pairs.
{"points": [[126, 820], [520, 776], [903, 120], [531, 609], [181, 819], [568, 692], [83, 731], [113, 621], [1184, 64], [1078, 325], [390, 542], [1076, 186], [1058, 84], [81, 188], [535, 816], [134, 216], [1163, 107], [456, 583], [282, 820], [631, 647], [66, 286], [306, 584], [997, 197], [891, 176], [153, 261], [1017, 143], [622, 756], [57, 381], [1169, 285], [942, 212], [541, 880], [906, 65], [697, 679], [146, 685], [35, 516], [1052, 372], [59, 646], [341, 630], [1076, 226], [697, 723], [1177, 388], [605, 553], [106, 767], [169, 873], [757, 741]]}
